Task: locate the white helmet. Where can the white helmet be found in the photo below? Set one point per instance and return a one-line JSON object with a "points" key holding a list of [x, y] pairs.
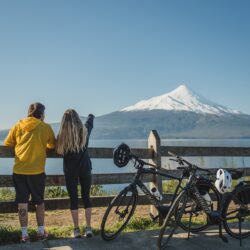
{"points": [[223, 181]]}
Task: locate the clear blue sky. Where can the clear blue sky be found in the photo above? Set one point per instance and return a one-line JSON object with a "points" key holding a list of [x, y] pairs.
{"points": [[101, 56]]}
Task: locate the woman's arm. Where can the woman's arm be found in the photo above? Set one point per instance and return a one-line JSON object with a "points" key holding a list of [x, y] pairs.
{"points": [[89, 125]]}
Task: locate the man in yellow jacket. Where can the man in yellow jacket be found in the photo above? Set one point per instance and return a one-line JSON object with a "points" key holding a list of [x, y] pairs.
{"points": [[30, 137]]}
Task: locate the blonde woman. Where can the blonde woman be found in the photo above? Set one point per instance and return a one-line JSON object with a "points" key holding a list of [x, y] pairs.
{"points": [[72, 143]]}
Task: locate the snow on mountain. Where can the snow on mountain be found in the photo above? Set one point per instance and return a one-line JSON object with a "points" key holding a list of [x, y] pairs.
{"points": [[181, 99]]}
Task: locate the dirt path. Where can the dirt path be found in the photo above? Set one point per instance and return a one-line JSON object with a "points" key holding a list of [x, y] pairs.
{"points": [[63, 217]]}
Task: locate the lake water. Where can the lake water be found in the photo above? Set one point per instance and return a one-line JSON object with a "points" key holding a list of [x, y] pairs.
{"points": [[54, 166]]}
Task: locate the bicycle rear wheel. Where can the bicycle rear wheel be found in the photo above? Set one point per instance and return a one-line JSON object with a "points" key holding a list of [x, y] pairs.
{"points": [[119, 213], [172, 219], [236, 212], [194, 217]]}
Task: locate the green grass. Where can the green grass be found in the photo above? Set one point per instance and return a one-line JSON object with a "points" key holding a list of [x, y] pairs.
{"points": [[8, 194], [10, 234], [169, 186], [140, 224]]}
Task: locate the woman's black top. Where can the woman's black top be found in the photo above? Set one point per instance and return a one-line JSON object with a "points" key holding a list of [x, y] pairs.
{"points": [[73, 160]]}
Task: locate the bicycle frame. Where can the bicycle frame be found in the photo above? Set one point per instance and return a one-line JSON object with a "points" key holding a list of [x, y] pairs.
{"points": [[215, 217], [193, 191], [137, 182]]}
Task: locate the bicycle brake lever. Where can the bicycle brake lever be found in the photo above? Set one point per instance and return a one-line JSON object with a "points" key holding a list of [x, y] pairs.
{"points": [[173, 160], [181, 168]]}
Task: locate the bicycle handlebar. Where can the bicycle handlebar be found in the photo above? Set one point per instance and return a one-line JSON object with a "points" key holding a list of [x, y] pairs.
{"points": [[178, 159], [181, 161], [140, 161]]}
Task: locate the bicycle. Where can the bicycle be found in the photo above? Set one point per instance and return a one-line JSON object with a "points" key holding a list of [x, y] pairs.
{"points": [[191, 197], [122, 207]]}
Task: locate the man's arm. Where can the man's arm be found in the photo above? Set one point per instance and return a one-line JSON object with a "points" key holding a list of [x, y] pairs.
{"points": [[51, 139], [10, 140]]}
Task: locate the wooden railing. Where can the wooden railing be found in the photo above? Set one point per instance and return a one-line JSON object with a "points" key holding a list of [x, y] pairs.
{"points": [[153, 153]]}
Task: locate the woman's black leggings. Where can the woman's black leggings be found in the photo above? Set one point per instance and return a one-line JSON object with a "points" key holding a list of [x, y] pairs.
{"points": [[73, 177]]}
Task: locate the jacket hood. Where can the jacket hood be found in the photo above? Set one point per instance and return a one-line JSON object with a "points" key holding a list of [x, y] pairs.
{"points": [[30, 123]]}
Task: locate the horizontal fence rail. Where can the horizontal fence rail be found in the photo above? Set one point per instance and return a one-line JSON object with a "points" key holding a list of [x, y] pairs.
{"points": [[153, 153], [97, 179], [105, 179], [103, 153], [64, 203], [205, 151]]}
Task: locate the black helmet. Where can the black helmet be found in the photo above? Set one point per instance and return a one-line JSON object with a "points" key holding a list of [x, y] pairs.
{"points": [[121, 155]]}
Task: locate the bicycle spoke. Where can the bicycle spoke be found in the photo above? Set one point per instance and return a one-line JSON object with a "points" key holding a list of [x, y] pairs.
{"points": [[118, 214], [237, 214]]}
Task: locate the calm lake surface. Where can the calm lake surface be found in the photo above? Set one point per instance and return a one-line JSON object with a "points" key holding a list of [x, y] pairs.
{"points": [[54, 166]]}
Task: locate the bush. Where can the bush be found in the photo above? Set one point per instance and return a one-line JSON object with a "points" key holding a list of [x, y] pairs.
{"points": [[169, 186], [97, 190], [7, 194], [138, 224], [55, 192]]}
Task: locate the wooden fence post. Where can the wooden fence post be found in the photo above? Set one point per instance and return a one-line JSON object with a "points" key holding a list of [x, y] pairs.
{"points": [[154, 142]]}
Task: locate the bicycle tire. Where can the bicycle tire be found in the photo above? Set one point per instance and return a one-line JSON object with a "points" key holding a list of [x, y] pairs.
{"points": [[116, 203], [234, 200], [193, 209], [171, 220]]}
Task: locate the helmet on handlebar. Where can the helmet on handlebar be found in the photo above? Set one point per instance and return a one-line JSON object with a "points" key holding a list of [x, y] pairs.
{"points": [[121, 155], [223, 181]]}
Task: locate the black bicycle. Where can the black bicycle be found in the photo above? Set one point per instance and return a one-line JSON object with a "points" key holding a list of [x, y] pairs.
{"points": [[233, 209], [123, 206]]}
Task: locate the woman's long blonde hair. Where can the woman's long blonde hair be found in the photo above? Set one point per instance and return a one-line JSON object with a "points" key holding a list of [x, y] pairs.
{"points": [[72, 134]]}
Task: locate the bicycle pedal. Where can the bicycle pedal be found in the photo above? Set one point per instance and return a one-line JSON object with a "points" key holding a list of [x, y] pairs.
{"points": [[163, 210]]}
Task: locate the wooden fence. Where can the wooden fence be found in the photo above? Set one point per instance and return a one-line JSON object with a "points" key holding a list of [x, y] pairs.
{"points": [[153, 153]]}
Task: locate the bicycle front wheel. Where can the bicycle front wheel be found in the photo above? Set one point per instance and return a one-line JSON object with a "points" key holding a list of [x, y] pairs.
{"points": [[236, 212], [119, 213], [172, 220]]}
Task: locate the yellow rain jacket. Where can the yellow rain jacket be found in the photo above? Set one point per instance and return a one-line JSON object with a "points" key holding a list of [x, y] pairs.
{"points": [[30, 137]]}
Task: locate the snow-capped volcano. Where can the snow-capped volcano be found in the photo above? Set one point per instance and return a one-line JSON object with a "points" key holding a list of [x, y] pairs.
{"points": [[197, 118], [181, 99]]}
